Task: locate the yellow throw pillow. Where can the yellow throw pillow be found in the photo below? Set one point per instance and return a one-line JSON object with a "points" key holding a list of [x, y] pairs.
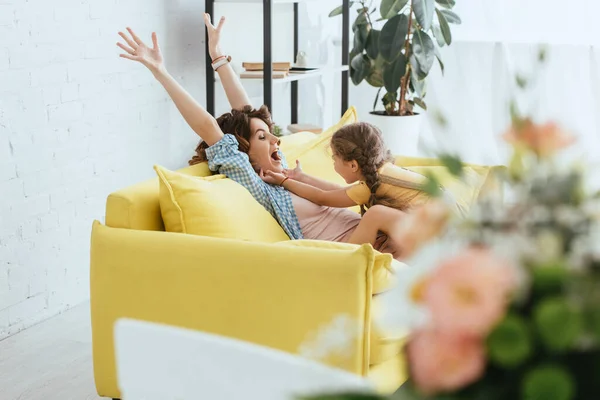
{"points": [[296, 145], [214, 206], [465, 190], [384, 277]]}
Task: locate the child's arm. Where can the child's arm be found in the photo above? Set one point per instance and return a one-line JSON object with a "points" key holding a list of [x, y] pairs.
{"points": [[299, 175], [236, 94], [330, 198], [197, 117]]}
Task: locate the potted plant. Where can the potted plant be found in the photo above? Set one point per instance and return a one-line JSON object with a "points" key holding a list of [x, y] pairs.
{"points": [[397, 58]]}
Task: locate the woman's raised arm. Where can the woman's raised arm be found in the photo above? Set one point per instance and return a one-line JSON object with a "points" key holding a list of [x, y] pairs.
{"points": [[197, 117], [236, 94]]}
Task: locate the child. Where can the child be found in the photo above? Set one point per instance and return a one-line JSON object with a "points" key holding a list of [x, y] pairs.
{"points": [[361, 157]]}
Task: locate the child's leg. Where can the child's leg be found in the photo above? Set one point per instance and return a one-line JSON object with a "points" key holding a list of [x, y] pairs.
{"points": [[377, 218]]}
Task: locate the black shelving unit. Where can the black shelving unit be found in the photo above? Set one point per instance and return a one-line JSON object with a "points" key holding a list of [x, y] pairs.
{"points": [[268, 58]]}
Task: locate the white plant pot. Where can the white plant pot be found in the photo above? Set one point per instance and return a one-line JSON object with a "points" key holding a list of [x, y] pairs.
{"points": [[401, 134]]}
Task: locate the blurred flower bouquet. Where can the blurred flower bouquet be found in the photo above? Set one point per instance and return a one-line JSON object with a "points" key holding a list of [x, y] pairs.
{"points": [[505, 304]]}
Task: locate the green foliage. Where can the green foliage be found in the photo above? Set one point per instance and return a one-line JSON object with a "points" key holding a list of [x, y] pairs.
{"points": [[444, 27], [411, 31], [549, 277], [510, 343], [343, 396], [549, 382], [453, 163], [558, 323], [389, 8], [338, 10], [393, 36], [393, 73], [432, 186]]}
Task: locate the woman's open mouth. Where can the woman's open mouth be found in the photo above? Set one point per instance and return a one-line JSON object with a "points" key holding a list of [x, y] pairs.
{"points": [[275, 156]]}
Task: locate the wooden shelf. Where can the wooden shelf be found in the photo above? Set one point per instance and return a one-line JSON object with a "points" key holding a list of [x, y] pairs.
{"points": [[297, 77]]}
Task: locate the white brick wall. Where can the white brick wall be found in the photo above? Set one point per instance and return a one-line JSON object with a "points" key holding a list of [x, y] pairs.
{"points": [[76, 123]]}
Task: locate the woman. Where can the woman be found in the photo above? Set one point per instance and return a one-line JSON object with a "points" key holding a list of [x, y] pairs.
{"points": [[248, 149]]}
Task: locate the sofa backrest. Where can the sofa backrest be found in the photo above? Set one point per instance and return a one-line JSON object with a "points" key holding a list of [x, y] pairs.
{"points": [[137, 206]]}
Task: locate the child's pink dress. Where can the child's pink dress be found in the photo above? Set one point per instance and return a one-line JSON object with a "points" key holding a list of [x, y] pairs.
{"points": [[333, 224]]}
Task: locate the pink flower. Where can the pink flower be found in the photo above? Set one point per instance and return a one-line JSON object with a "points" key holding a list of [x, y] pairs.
{"points": [[468, 293], [543, 140], [440, 363]]}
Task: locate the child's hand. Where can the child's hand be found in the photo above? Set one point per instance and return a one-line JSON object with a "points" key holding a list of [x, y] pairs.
{"points": [[138, 51], [296, 173], [271, 177], [214, 36]]}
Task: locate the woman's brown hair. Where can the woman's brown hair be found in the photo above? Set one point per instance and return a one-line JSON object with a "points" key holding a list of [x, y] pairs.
{"points": [[363, 142], [237, 123]]}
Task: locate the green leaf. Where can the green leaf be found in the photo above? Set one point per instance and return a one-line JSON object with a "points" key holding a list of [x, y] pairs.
{"points": [[451, 17], [432, 186], [542, 54], [446, 3], [521, 81], [420, 103], [388, 98], [548, 382], [393, 73], [361, 33], [558, 323], [343, 396], [440, 119], [361, 67], [423, 50], [393, 36], [510, 344], [439, 36], [439, 58], [372, 45], [418, 85], [376, 98], [375, 78], [423, 10], [549, 277], [453, 163], [444, 27], [360, 20], [389, 8], [416, 68], [338, 10]]}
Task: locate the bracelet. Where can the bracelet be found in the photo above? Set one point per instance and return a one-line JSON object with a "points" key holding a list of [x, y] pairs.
{"points": [[217, 59], [283, 181], [220, 62]]}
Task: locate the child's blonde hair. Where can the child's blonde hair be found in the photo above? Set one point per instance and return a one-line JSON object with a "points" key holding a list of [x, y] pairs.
{"points": [[363, 143]]}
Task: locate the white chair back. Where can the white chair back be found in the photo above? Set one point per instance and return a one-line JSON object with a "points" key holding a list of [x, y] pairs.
{"points": [[160, 362]]}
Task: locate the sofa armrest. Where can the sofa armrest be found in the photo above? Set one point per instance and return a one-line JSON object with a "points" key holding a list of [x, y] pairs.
{"points": [[262, 293]]}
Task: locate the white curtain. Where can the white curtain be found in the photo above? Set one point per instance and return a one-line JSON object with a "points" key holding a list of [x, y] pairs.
{"points": [[496, 40]]}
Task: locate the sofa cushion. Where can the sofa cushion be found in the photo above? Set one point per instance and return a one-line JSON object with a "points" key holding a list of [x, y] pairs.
{"points": [[137, 207], [310, 146], [214, 206], [383, 270], [315, 155]]}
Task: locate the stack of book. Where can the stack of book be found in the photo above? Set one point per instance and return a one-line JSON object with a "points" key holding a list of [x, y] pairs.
{"points": [[255, 70]]}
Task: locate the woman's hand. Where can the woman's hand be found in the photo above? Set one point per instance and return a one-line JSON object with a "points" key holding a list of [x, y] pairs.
{"points": [[296, 173], [271, 177], [136, 50], [214, 36]]}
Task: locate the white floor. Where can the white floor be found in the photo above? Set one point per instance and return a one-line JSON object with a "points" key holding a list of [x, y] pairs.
{"points": [[52, 360]]}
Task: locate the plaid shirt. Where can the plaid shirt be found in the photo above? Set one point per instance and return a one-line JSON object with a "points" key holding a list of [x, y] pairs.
{"points": [[225, 158]]}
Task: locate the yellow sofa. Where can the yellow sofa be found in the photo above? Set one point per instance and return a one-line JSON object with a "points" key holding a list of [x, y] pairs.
{"points": [[276, 295]]}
